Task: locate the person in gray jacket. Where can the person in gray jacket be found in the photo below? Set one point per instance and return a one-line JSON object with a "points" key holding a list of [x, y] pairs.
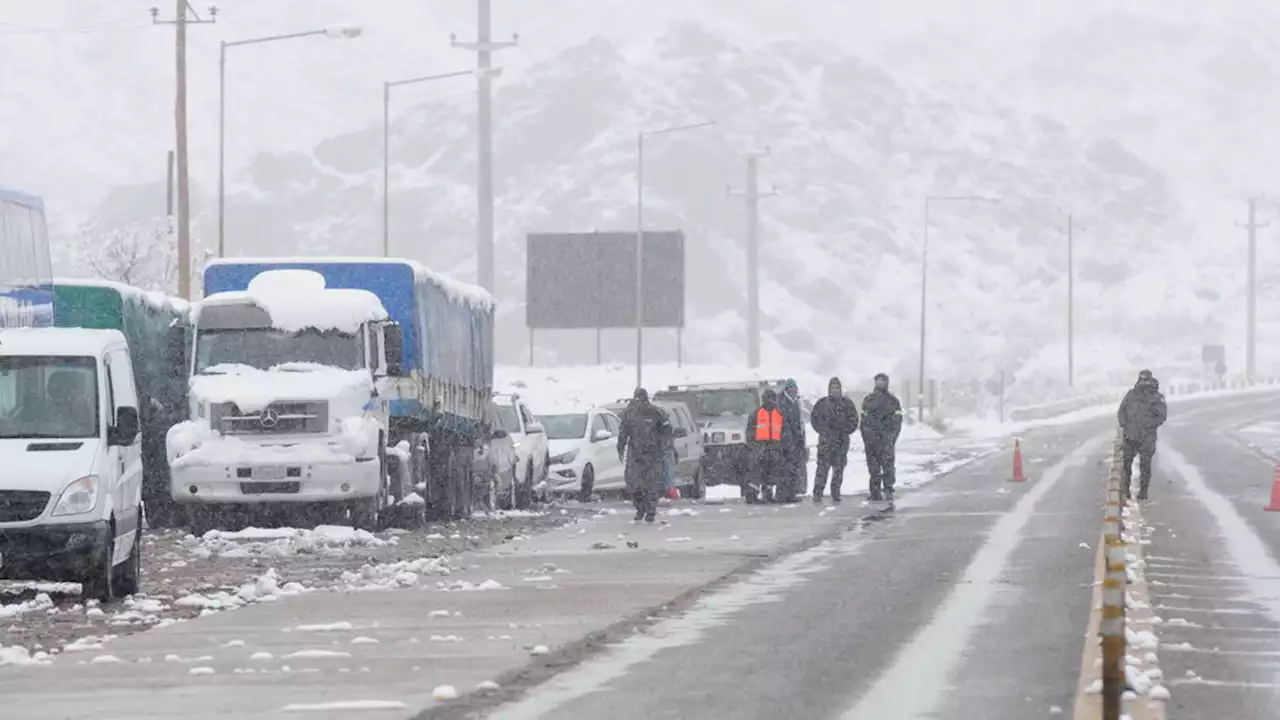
{"points": [[642, 440], [1141, 414]]}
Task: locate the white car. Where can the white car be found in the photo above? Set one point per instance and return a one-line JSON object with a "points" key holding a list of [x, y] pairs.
{"points": [[533, 455], [584, 452]]}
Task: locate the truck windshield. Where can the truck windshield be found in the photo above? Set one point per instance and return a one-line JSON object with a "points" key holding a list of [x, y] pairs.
{"points": [[48, 397], [728, 402], [264, 348], [565, 427]]}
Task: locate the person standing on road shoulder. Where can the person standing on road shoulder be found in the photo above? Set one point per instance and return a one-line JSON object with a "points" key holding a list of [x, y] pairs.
{"points": [[764, 444], [642, 441], [1141, 414], [834, 418], [881, 425], [794, 453]]}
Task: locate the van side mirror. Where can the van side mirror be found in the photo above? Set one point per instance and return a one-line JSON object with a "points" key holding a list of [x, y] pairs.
{"points": [[125, 431], [176, 348], [393, 341]]}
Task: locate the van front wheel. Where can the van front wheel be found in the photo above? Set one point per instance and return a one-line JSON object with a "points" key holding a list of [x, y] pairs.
{"points": [[98, 582]]}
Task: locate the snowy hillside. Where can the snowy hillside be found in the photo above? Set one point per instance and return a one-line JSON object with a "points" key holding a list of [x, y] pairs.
{"points": [[855, 146]]}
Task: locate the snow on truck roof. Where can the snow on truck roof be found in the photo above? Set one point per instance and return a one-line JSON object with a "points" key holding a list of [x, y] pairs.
{"points": [[58, 341], [471, 295], [298, 299], [150, 297]]}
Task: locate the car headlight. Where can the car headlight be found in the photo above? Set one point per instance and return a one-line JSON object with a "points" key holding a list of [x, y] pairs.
{"points": [[79, 497], [564, 458]]}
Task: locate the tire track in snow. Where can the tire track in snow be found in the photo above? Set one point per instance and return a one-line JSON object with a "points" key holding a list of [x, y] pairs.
{"points": [[915, 685]]}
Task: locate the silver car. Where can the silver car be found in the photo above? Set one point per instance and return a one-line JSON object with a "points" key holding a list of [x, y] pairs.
{"points": [[495, 463]]}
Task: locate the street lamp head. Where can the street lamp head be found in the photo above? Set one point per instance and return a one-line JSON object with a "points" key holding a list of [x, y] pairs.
{"points": [[344, 32]]}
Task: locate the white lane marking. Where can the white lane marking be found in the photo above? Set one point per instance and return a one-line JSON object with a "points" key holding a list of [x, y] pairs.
{"points": [[916, 684], [766, 585], [1260, 572]]}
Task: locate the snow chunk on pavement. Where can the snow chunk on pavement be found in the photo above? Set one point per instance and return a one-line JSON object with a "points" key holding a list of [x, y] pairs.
{"points": [[487, 686], [261, 657], [362, 640], [21, 656], [202, 670], [318, 654], [105, 659], [326, 627], [38, 603], [444, 692], [345, 705], [463, 585], [539, 650]]}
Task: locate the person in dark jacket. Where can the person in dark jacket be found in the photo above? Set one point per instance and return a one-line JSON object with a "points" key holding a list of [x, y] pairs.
{"points": [[1141, 414], [764, 445], [834, 418], [642, 441], [881, 425], [794, 455]]}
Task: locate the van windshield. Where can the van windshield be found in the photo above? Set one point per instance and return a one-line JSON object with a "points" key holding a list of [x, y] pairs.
{"points": [[48, 397]]}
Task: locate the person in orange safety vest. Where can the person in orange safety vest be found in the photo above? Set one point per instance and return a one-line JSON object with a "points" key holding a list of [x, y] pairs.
{"points": [[764, 442]]}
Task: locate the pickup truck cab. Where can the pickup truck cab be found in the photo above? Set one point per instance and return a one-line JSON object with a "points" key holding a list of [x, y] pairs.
{"points": [[71, 490]]}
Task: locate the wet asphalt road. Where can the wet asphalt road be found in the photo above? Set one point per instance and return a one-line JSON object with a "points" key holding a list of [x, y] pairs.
{"points": [[856, 637]]}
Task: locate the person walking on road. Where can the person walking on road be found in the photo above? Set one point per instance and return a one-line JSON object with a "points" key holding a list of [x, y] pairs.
{"points": [[642, 442], [764, 443], [834, 418], [881, 425], [1141, 414], [794, 454]]}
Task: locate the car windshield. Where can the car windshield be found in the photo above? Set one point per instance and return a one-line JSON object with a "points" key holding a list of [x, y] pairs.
{"points": [[264, 348], [730, 402], [48, 397], [565, 427], [507, 419]]}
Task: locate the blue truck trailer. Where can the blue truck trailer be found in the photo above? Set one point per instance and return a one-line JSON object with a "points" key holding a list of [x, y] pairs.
{"points": [[428, 350]]}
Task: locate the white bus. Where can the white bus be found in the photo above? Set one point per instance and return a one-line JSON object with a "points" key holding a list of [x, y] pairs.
{"points": [[26, 272]]}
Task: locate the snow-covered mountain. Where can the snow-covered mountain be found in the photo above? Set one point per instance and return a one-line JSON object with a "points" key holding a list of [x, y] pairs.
{"points": [[856, 146]]}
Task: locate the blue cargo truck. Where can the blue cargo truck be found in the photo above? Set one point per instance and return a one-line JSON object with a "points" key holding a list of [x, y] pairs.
{"points": [[360, 384]]}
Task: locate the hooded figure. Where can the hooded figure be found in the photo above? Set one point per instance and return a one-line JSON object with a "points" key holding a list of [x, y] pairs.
{"points": [[834, 418], [765, 428], [1141, 413], [881, 424], [642, 440], [794, 454]]}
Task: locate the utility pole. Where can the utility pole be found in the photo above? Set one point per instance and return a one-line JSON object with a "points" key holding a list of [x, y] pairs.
{"points": [[484, 47], [1251, 338], [753, 195], [1071, 304], [181, 20]]}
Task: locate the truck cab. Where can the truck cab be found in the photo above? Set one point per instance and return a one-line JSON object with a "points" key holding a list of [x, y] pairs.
{"points": [[290, 384], [71, 491]]}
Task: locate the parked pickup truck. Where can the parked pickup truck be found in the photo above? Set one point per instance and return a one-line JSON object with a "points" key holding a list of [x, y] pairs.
{"points": [[319, 380]]}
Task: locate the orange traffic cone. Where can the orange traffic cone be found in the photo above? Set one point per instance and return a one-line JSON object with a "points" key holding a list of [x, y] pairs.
{"points": [[1275, 493], [1017, 462]]}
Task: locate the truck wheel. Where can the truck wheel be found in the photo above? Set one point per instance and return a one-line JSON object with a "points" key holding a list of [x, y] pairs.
{"points": [[588, 484], [128, 578], [98, 582], [524, 493]]}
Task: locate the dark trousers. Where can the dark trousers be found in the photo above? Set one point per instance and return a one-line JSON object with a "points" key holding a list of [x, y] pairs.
{"points": [[880, 462], [644, 481], [768, 469], [792, 479], [1145, 450], [820, 478]]}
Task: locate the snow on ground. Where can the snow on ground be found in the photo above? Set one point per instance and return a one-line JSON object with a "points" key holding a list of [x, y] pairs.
{"points": [[330, 540]]}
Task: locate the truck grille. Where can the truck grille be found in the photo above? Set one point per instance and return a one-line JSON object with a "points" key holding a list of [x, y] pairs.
{"points": [[22, 505], [274, 419]]}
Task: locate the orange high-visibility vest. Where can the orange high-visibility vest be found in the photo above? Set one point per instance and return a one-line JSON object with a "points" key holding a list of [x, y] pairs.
{"points": [[768, 425]]}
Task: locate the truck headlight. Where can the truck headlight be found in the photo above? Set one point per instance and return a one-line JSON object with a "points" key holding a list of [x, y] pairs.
{"points": [[564, 458], [79, 497]]}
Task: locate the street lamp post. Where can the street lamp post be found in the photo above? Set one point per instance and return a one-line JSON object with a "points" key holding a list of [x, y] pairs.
{"points": [[640, 234], [346, 32], [386, 139], [924, 276]]}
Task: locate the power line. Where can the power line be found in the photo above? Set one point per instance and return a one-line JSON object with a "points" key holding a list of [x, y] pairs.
{"points": [[114, 25]]}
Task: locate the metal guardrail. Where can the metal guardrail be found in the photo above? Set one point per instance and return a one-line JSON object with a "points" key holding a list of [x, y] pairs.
{"points": [[1114, 585]]}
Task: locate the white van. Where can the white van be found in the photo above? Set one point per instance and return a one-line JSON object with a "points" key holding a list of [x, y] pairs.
{"points": [[71, 488]]}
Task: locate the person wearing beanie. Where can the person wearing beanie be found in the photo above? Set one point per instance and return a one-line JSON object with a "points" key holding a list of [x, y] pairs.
{"points": [[881, 425], [794, 453], [765, 428], [834, 418], [1141, 414]]}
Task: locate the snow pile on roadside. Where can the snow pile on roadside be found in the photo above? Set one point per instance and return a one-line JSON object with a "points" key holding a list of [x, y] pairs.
{"points": [[39, 603], [264, 588], [503, 514], [326, 540], [21, 656], [391, 576]]}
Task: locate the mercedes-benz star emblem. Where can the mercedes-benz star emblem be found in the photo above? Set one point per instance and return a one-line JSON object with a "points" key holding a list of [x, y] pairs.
{"points": [[269, 418]]}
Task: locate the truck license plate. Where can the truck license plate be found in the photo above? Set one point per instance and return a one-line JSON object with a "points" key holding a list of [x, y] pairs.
{"points": [[269, 473]]}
